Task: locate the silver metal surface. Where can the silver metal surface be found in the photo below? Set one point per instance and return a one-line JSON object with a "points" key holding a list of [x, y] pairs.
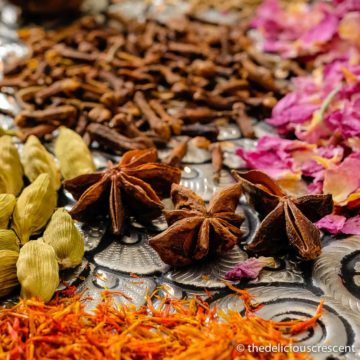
{"points": [[337, 271], [289, 290], [338, 326]]}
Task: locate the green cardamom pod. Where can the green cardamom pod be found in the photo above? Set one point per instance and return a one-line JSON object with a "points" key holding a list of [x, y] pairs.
{"points": [[67, 241], [11, 174], [8, 132], [73, 154], [7, 204], [37, 270], [8, 240], [37, 160], [34, 208], [8, 277]]}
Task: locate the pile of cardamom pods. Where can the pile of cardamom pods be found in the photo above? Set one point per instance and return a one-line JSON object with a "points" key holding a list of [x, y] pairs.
{"points": [[37, 239]]}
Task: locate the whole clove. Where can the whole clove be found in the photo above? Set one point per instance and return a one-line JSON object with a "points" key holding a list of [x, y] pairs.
{"points": [[174, 123], [173, 78], [177, 153], [199, 114], [243, 121], [99, 114], [216, 161], [157, 124], [112, 140], [65, 85], [62, 115]]}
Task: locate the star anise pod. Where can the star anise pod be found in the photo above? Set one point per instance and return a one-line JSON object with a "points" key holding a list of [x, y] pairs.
{"points": [[195, 230], [286, 220], [135, 185]]}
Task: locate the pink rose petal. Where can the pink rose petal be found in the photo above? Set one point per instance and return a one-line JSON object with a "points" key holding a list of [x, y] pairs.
{"points": [[343, 180], [346, 120], [352, 226], [337, 224], [332, 223], [294, 108], [248, 269], [322, 32], [274, 156], [345, 6]]}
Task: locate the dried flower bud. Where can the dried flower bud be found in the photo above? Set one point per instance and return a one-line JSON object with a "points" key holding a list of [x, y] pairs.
{"points": [[37, 160], [11, 175], [8, 240], [34, 208], [38, 270], [73, 154], [7, 204], [67, 241], [8, 278]]}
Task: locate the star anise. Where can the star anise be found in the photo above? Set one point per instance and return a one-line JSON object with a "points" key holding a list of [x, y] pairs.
{"points": [[286, 220], [196, 231], [135, 185]]}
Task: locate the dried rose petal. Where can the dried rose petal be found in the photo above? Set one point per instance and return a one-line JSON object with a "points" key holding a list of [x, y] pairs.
{"points": [[341, 181], [285, 31], [322, 32], [249, 269], [274, 156], [346, 120], [332, 223], [294, 108], [337, 224], [349, 28], [352, 226], [345, 6]]}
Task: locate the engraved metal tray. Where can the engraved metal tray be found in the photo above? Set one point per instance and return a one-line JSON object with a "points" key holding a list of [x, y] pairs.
{"points": [[289, 290]]}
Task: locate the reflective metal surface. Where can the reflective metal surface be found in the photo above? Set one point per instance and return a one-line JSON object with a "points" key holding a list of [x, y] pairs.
{"points": [[289, 290]]}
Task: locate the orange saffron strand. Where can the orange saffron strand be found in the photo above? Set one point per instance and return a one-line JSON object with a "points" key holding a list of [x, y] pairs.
{"points": [[162, 329]]}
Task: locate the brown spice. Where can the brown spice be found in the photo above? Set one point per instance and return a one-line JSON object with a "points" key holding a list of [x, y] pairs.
{"points": [[196, 231], [112, 140], [134, 185], [286, 220], [164, 75], [160, 127], [177, 153], [243, 121], [217, 161]]}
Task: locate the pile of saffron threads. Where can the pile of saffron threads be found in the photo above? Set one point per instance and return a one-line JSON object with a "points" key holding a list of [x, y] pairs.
{"points": [[163, 329]]}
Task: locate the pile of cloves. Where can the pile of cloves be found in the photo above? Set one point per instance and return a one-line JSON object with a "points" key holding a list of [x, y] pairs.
{"points": [[129, 85]]}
